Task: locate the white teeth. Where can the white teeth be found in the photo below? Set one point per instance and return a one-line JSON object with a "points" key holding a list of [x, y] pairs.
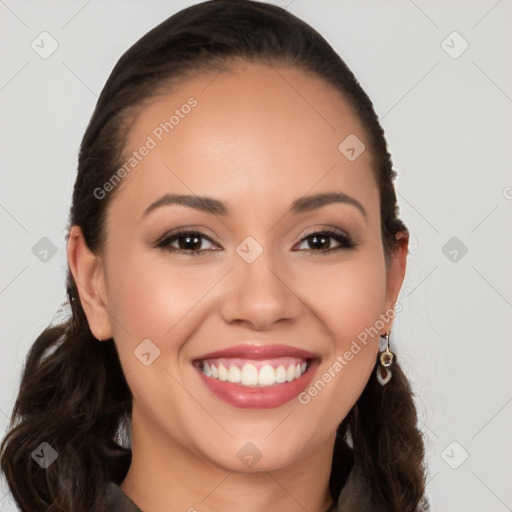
{"points": [[280, 374], [223, 372], [234, 374], [266, 376], [249, 375]]}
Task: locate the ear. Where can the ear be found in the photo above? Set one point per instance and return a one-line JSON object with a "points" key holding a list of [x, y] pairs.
{"points": [[87, 270], [396, 272]]}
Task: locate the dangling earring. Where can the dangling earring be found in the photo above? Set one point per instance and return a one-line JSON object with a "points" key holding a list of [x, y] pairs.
{"points": [[385, 361]]}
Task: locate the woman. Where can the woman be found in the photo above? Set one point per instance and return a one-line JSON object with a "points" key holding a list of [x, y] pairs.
{"points": [[235, 257]]}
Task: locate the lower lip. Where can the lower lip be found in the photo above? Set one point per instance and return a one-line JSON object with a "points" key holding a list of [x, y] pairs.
{"points": [[267, 397]]}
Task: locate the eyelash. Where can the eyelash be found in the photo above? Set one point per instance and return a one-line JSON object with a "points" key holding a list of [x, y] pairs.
{"points": [[346, 243]]}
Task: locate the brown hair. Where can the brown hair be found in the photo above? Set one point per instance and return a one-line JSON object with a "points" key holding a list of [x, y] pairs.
{"points": [[73, 393]]}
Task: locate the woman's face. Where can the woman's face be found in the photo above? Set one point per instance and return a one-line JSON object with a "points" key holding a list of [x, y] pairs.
{"points": [[263, 294]]}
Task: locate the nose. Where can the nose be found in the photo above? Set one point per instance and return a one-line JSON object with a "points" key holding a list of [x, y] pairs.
{"points": [[259, 295]]}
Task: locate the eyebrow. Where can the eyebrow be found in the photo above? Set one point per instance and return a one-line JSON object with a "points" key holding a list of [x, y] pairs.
{"points": [[214, 206]]}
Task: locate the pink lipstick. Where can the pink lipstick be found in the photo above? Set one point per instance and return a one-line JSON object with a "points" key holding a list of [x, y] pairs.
{"points": [[257, 376]]}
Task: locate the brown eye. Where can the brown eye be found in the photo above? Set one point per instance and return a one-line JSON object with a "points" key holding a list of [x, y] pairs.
{"points": [[189, 242], [320, 241]]}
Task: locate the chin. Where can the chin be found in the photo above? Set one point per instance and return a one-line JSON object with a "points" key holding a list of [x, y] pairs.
{"points": [[255, 453]]}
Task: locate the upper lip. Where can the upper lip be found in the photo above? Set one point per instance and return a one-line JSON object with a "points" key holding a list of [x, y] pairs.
{"points": [[258, 351]]}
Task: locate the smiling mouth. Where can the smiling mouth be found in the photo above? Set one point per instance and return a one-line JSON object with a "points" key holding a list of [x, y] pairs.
{"points": [[255, 376], [254, 373]]}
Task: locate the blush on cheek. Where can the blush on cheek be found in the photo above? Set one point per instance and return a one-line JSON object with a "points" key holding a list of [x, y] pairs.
{"points": [[151, 294], [358, 317]]}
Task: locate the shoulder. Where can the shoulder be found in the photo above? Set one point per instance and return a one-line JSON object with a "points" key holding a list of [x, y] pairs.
{"points": [[356, 495], [118, 501]]}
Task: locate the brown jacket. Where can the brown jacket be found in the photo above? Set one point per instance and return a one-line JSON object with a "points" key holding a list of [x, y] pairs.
{"points": [[354, 497]]}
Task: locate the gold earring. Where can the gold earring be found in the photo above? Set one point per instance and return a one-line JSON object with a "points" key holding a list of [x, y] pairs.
{"points": [[385, 361]]}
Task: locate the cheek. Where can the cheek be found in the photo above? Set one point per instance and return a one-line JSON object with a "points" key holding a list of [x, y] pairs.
{"points": [[348, 297], [150, 295], [351, 298], [344, 373]]}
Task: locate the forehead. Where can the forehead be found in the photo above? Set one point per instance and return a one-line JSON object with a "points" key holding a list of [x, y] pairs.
{"points": [[253, 133]]}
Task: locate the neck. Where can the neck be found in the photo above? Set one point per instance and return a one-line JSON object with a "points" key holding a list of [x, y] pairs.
{"points": [[166, 477]]}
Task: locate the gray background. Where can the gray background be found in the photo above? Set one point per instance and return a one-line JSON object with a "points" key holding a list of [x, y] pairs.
{"points": [[447, 116]]}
